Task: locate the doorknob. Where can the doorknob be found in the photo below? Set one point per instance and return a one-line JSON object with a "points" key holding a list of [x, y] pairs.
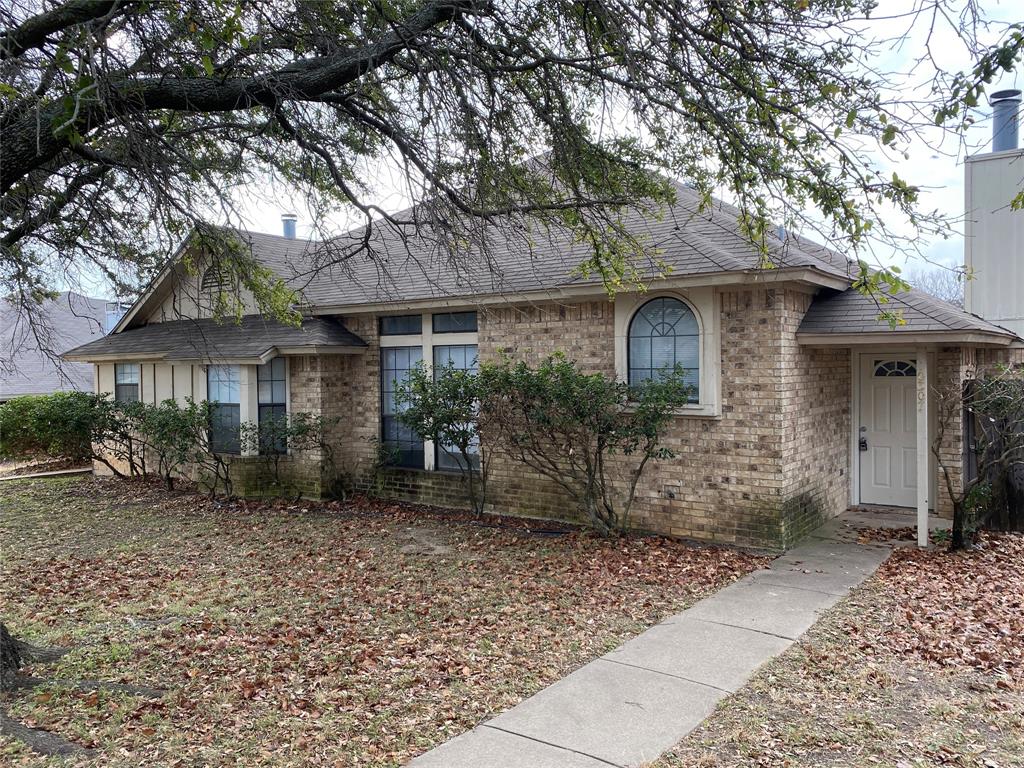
{"points": [[863, 443]]}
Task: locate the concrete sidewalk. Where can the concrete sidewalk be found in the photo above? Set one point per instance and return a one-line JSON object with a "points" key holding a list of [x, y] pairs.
{"points": [[633, 704]]}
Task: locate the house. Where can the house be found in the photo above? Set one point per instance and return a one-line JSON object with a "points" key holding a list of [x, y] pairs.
{"points": [[30, 357], [805, 401]]}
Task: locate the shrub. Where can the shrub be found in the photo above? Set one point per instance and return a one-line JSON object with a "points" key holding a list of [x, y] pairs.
{"points": [[443, 406], [566, 424], [273, 438], [60, 425], [174, 436]]}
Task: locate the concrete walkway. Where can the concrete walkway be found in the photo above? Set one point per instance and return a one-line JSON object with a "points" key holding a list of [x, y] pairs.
{"points": [[630, 706]]}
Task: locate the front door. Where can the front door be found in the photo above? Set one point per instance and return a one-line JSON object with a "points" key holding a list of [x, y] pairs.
{"points": [[888, 430]]}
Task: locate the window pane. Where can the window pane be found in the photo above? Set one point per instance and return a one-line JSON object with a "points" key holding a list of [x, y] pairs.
{"points": [[454, 322], [663, 334], [126, 393], [406, 445], [396, 325], [126, 373], [462, 357], [279, 395], [224, 428], [222, 384]]}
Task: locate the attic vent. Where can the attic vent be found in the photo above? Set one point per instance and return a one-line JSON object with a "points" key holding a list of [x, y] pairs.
{"points": [[213, 278]]}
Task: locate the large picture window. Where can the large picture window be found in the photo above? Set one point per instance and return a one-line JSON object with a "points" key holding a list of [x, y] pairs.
{"points": [[223, 392], [126, 382], [272, 385], [663, 334], [462, 357], [404, 444]]}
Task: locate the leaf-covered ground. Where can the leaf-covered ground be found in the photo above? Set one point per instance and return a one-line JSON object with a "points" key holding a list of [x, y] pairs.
{"points": [[922, 666], [340, 635]]}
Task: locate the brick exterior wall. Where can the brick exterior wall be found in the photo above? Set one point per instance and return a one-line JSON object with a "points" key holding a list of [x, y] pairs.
{"points": [[815, 401], [749, 477]]}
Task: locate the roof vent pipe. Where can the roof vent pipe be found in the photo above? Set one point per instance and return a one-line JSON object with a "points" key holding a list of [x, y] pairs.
{"points": [[1005, 106], [288, 225]]}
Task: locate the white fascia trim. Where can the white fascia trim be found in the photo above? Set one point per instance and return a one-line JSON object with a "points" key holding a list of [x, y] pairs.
{"points": [[154, 284], [151, 357], [321, 349], [738, 278], [876, 338]]}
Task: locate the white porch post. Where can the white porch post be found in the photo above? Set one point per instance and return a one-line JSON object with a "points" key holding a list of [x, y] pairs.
{"points": [[923, 448]]}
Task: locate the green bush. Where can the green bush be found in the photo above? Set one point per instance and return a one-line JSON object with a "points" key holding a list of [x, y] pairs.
{"points": [[568, 425], [60, 425]]}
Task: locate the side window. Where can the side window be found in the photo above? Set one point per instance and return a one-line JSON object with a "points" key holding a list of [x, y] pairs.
{"points": [[395, 364], [223, 393], [464, 358], [126, 382], [272, 385]]}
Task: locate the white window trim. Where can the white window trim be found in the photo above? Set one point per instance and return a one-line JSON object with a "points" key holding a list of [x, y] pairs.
{"points": [[704, 304], [426, 341]]}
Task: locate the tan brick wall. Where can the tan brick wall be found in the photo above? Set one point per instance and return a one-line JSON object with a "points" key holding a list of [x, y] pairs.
{"points": [[748, 477], [815, 402]]}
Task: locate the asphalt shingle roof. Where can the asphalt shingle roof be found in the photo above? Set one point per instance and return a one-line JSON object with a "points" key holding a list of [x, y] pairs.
{"points": [[687, 241], [70, 320], [209, 339], [852, 312]]}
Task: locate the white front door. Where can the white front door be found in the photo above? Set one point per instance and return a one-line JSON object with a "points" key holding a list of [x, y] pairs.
{"points": [[888, 430]]}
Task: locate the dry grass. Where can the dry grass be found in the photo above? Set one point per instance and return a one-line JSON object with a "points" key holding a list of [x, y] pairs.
{"points": [[342, 635]]}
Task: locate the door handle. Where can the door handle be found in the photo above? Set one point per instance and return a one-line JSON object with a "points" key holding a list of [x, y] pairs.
{"points": [[862, 443]]}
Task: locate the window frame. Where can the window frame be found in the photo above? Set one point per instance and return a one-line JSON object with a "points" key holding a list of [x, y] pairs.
{"points": [[402, 462], [630, 340], [216, 413], [705, 304], [284, 404], [440, 449], [137, 384], [426, 341]]}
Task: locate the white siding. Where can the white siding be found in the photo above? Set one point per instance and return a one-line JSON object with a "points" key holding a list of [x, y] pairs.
{"points": [[186, 299], [162, 385], [994, 239], [146, 391], [105, 379]]}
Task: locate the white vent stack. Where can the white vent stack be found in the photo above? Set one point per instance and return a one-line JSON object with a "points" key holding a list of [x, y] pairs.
{"points": [[994, 233], [288, 225]]}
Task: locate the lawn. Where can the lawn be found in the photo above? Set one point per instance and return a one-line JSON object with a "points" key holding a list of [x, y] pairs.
{"points": [[921, 666], [339, 634]]}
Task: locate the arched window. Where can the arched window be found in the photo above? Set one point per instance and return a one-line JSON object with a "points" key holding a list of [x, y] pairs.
{"points": [[663, 334], [895, 368]]}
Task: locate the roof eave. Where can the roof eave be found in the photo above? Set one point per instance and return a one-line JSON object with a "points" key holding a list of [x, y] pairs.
{"points": [[894, 337]]}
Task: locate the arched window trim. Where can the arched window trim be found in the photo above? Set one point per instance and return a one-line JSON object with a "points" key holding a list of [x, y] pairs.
{"points": [[647, 301], [704, 302]]}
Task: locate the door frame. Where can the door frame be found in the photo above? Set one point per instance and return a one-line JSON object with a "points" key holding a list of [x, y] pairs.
{"points": [[857, 355]]}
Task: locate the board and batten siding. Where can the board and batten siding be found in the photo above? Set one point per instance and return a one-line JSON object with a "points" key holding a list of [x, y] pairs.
{"points": [[159, 381]]}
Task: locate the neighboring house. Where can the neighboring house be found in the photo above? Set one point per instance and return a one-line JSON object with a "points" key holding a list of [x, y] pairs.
{"points": [[805, 401], [30, 361]]}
